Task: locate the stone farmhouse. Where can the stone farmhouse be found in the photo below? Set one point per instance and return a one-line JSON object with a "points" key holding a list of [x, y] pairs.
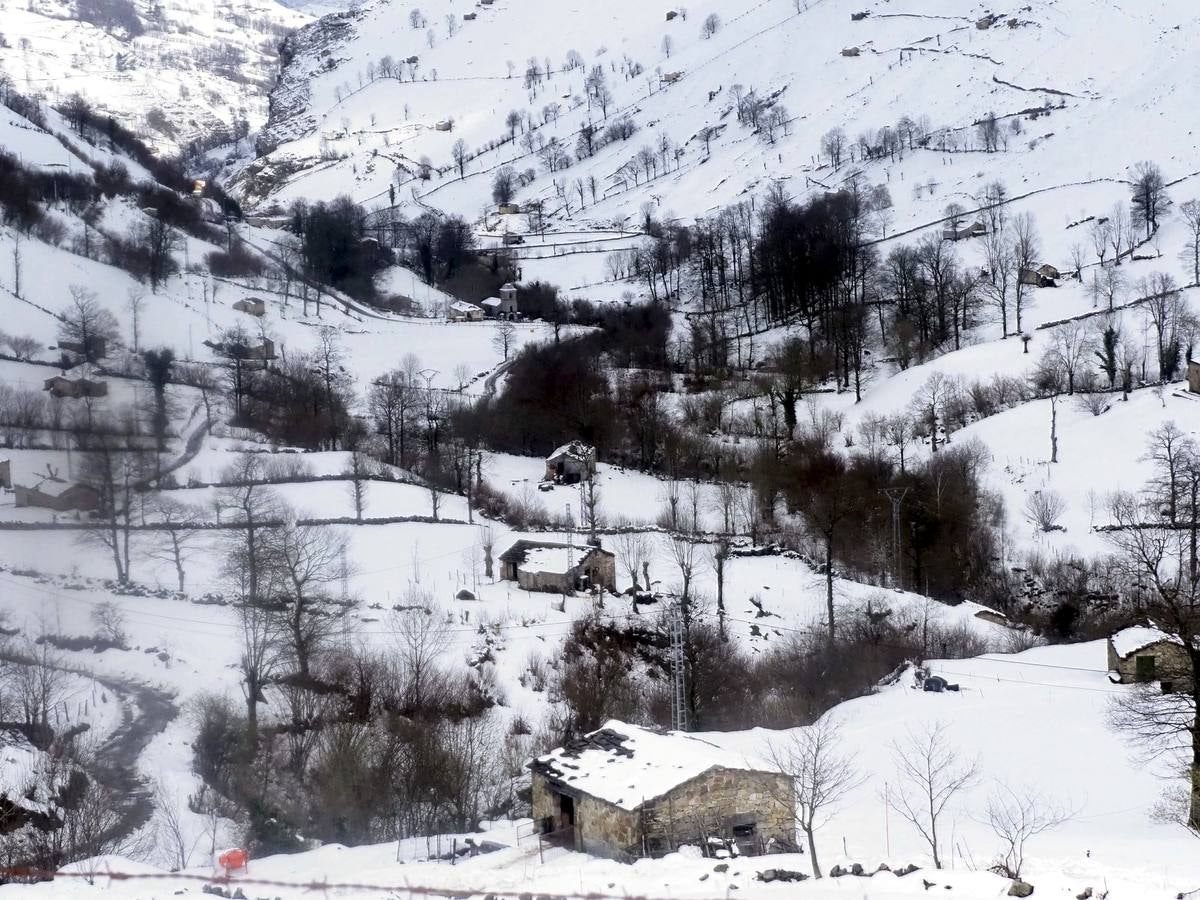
{"points": [[462, 311], [558, 568], [58, 495], [1145, 654], [75, 389], [571, 463], [626, 792]]}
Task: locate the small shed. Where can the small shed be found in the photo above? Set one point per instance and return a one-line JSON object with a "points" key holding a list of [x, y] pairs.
{"points": [[444, 125], [1193, 376], [251, 306], [469, 17], [672, 15], [625, 792], [671, 77], [94, 347], [6, 473], [571, 463], [1144, 654], [509, 209], [1035, 278], [58, 495], [462, 311], [1048, 271], [558, 568], [75, 388], [851, 51]]}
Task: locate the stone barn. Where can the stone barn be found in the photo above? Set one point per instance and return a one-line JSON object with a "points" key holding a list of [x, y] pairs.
{"points": [[558, 568], [60, 496], [571, 463], [77, 388], [626, 792], [1144, 654], [462, 311], [1193, 376]]}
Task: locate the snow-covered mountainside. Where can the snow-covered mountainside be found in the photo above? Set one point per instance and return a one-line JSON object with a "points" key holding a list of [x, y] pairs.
{"points": [[173, 71], [815, 376], [361, 96]]}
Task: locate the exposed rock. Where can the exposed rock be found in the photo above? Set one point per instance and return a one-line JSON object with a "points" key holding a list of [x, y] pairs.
{"points": [[1020, 889]]}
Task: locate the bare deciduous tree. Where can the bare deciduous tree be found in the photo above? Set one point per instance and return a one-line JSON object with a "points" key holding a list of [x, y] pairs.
{"points": [[930, 774], [822, 775], [1015, 818]]}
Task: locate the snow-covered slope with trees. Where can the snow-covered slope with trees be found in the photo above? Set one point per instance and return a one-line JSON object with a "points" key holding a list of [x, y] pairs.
{"points": [[175, 72]]}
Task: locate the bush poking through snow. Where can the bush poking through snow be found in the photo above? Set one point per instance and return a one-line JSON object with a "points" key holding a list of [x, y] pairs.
{"points": [[1044, 508]]}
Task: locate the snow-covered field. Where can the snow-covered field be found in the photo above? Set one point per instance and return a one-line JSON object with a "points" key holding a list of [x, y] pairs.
{"points": [[1120, 86]]}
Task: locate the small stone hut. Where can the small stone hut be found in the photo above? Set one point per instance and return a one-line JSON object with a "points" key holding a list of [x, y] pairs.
{"points": [[1144, 654], [60, 496], [251, 306], [626, 792], [462, 311], [558, 568], [60, 387], [571, 463], [1193, 376]]}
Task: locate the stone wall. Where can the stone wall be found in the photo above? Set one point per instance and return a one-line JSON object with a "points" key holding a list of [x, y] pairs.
{"points": [[709, 805], [1171, 664], [716, 801]]}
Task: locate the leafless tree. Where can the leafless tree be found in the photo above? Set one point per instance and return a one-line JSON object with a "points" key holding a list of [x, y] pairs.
{"points": [[1015, 818], [1070, 347], [109, 620], [1162, 559], [1044, 508], [1026, 249], [682, 550], [1001, 259], [711, 25], [170, 831], [634, 550], [113, 472], [39, 682], [87, 323], [1149, 195], [1191, 251], [822, 775], [359, 470], [460, 153], [421, 636], [833, 145], [930, 774], [504, 338], [177, 535], [308, 559], [1165, 307], [1100, 233], [1118, 231]]}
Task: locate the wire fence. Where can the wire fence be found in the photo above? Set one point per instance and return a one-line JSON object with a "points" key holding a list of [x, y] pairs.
{"points": [[26, 874]]}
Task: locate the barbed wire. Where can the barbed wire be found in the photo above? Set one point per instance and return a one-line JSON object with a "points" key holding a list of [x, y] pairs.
{"points": [[31, 874]]}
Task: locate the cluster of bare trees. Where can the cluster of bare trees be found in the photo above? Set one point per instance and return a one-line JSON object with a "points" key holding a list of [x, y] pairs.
{"points": [[388, 744], [1156, 535]]}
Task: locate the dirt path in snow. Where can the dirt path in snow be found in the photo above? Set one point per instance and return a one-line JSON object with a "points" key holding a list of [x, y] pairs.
{"points": [[146, 712]]}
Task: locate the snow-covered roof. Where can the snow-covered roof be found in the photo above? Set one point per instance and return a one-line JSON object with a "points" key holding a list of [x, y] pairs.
{"points": [[463, 306], [577, 449], [1131, 640], [492, 301], [626, 765], [550, 559]]}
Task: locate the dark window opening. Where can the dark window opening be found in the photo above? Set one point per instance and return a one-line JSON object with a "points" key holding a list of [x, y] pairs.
{"points": [[1144, 668]]}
